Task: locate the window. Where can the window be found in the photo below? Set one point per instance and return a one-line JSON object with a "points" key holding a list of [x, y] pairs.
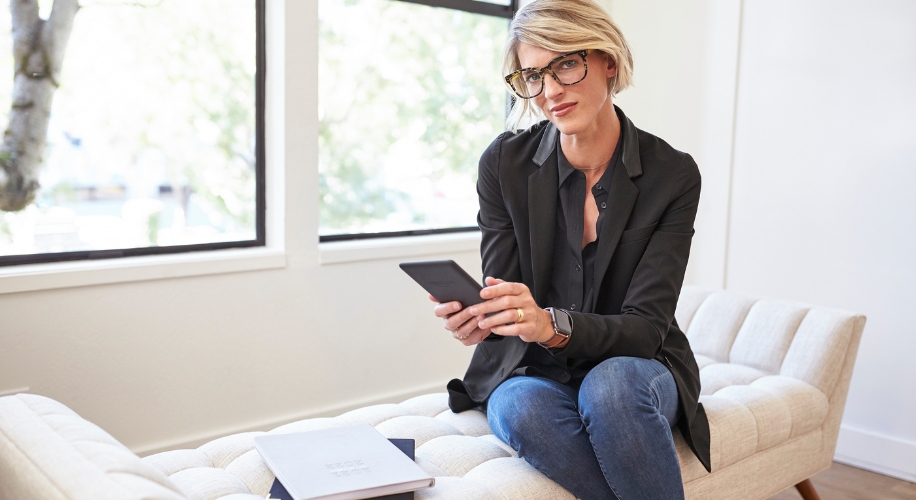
{"points": [[155, 132], [410, 94]]}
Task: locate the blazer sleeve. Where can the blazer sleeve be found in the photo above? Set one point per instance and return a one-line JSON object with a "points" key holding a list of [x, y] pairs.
{"points": [[498, 246], [648, 307]]}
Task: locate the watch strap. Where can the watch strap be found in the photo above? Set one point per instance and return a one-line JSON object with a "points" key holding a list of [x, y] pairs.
{"points": [[559, 339]]}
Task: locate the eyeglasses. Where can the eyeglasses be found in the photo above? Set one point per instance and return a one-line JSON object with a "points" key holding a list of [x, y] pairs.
{"points": [[567, 69]]}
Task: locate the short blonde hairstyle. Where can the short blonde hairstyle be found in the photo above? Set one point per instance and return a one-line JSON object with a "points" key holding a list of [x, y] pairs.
{"points": [[565, 26]]}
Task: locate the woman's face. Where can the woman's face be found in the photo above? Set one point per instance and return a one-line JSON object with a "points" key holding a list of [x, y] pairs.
{"points": [[573, 109]]}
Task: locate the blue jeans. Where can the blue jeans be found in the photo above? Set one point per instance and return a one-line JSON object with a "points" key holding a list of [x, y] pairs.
{"points": [[608, 438]]}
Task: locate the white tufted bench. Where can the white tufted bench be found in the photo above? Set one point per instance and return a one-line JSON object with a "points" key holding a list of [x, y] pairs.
{"points": [[775, 376]]}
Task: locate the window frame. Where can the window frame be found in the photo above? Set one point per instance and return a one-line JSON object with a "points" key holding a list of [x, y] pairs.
{"points": [[260, 239], [473, 7]]}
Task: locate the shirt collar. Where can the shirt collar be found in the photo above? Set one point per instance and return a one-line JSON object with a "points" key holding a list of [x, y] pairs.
{"points": [[629, 154], [565, 169]]}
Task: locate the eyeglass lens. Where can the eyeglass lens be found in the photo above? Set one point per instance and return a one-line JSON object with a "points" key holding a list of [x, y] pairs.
{"points": [[568, 70]]}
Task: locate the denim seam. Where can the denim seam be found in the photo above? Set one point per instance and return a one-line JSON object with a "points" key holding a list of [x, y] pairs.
{"points": [[604, 471], [658, 405]]}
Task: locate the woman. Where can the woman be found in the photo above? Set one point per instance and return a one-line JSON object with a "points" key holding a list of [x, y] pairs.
{"points": [[586, 224]]}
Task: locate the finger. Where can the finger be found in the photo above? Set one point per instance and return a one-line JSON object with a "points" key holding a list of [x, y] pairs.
{"points": [[432, 298], [476, 337], [466, 330], [505, 288], [498, 304], [447, 309], [490, 281], [461, 327], [513, 330], [499, 319]]}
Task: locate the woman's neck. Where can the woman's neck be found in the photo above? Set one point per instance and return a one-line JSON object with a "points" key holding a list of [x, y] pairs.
{"points": [[590, 150]]}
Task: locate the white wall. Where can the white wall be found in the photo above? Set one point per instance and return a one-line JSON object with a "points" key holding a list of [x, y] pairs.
{"points": [[820, 211], [685, 56], [809, 165], [172, 362], [823, 207]]}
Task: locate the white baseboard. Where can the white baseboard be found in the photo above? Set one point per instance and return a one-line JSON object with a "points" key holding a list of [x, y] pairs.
{"points": [[876, 452], [267, 424]]}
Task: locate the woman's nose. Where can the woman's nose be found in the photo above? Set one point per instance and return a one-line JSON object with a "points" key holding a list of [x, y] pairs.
{"points": [[552, 88]]}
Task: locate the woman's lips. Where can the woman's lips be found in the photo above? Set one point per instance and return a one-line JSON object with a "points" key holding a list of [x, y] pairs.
{"points": [[562, 109]]}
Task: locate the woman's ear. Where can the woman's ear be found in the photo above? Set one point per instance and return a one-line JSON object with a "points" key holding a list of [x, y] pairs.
{"points": [[611, 66]]}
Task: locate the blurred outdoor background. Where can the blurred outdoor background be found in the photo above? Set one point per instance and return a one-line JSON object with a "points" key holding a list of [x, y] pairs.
{"points": [[410, 96], [152, 132]]}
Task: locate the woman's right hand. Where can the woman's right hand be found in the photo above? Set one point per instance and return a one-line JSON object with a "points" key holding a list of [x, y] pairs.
{"points": [[461, 323]]}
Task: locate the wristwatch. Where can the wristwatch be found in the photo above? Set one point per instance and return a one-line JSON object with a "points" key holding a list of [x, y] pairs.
{"points": [[562, 327]]}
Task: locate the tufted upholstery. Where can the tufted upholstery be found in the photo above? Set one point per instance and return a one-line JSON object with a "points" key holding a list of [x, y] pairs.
{"points": [[49, 452], [459, 449], [774, 375]]}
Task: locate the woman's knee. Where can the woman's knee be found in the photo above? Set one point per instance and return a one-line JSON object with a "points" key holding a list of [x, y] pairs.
{"points": [[621, 386], [524, 406]]}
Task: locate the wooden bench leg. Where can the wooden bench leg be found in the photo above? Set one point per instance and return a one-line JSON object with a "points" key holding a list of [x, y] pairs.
{"points": [[806, 490]]}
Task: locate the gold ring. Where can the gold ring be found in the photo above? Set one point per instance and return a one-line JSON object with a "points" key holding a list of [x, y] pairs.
{"points": [[459, 337], [521, 315]]}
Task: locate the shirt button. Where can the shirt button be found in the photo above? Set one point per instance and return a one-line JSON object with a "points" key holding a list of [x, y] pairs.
{"points": [[598, 186], [577, 267], [603, 205], [572, 307]]}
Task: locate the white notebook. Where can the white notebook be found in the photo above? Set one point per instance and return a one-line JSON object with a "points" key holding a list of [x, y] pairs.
{"points": [[340, 463]]}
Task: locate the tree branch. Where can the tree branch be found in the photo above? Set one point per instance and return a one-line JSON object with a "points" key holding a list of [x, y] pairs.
{"points": [[24, 12], [145, 5], [56, 34], [26, 29], [38, 51]]}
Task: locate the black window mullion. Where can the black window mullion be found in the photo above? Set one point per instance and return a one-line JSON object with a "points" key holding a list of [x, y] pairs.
{"points": [[327, 238], [260, 198], [260, 102], [472, 6]]}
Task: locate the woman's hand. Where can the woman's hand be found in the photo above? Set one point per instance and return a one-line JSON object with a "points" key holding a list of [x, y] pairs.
{"points": [[510, 298], [460, 322]]}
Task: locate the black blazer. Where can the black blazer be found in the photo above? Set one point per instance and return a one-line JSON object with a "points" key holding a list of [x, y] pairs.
{"points": [[639, 265]]}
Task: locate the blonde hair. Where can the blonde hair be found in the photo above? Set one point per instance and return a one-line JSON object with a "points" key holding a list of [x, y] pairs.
{"points": [[565, 26]]}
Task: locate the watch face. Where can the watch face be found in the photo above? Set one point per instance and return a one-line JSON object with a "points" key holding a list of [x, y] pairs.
{"points": [[562, 321]]}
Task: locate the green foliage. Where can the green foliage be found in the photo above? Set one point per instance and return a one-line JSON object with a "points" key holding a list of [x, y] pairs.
{"points": [[409, 97], [181, 99]]}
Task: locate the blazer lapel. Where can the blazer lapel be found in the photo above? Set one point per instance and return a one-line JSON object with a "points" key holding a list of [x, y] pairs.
{"points": [[542, 212], [621, 198]]}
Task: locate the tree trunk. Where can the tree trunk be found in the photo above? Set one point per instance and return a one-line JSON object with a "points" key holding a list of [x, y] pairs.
{"points": [[38, 55]]}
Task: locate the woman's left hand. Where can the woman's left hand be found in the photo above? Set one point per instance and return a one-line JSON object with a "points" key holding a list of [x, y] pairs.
{"points": [[510, 298]]}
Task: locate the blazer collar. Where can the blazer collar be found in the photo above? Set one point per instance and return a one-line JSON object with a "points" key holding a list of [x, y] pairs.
{"points": [[629, 156], [542, 222], [542, 206]]}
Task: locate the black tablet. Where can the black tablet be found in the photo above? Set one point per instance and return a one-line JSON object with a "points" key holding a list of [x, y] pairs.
{"points": [[445, 280]]}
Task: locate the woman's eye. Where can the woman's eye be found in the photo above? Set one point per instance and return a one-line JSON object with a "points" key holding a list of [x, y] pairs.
{"points": [[533, 78], [568, 64]]}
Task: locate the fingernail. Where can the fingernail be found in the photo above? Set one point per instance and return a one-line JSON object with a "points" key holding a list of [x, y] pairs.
{"points": [[473, 311]]}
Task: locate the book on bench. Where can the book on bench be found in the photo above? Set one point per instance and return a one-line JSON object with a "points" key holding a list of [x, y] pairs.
{"points": [[278, 491], [340, 463]]}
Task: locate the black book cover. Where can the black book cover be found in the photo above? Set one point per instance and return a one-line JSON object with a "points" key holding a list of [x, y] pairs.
{"points": [[278, 492]]}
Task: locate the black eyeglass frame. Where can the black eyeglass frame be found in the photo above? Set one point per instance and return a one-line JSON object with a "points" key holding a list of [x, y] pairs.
{"points": [[546, 69]]}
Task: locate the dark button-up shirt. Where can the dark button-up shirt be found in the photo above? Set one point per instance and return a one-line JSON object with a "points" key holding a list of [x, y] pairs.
{"points": [[572, 277]]}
